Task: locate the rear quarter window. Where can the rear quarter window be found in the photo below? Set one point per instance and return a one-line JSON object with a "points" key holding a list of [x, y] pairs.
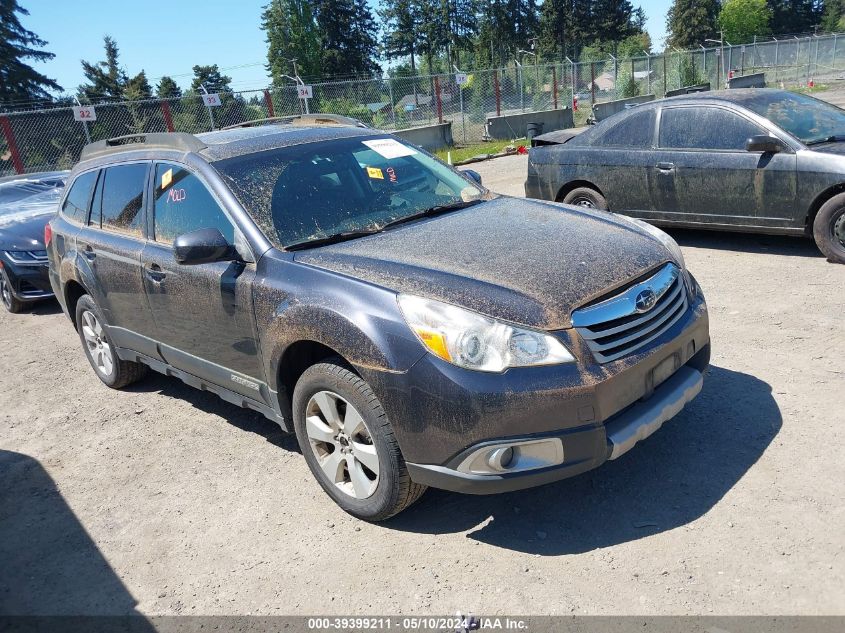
{"points": [[78, 198]]}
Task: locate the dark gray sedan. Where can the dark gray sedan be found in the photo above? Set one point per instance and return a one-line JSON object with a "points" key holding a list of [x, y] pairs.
{"points": [[767, 161]]}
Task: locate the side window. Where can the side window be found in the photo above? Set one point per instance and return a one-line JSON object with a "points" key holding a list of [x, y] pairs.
{"points": [[123, 197], [76, 203], [184, 204], [636, 130], [705, 128]]}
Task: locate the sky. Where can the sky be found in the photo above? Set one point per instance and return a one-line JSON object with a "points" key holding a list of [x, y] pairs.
{"points": [[169, 38]]}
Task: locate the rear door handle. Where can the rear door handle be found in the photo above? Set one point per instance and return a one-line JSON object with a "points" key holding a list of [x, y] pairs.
{"points": [[665, 166], [89, 253], [154, 273]]}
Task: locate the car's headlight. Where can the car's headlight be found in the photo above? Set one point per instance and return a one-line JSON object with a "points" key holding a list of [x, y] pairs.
{"points": [[473, 341], [667, 241]]}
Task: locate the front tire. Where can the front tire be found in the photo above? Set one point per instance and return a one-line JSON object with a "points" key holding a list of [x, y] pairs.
{"points": [[8, 300], [348, 443], [829, 229], [100, 350], [586, 197]]}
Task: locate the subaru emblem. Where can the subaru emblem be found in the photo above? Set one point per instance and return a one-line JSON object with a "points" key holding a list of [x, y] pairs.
{"points": [[645, 300]]}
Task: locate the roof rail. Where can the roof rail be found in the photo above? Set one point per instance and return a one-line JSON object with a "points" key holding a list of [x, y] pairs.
{"points": [[303, 119], [158, 140]]}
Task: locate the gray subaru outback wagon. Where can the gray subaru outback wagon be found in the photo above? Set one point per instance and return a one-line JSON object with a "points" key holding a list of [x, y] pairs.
{"points": [[412, 328]]}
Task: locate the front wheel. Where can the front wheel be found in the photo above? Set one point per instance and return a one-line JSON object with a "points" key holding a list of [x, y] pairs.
{"points": [[586, 197], [829, 229], [348, 443], [9, 301]]}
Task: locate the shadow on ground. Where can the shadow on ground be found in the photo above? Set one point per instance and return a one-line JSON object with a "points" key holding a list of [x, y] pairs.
{"points": [[665, 482], [747, 242], [206, 402], [48, 563]]}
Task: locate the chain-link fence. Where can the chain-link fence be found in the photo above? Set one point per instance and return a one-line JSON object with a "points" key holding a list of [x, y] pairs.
{"points": [[37, 140]]}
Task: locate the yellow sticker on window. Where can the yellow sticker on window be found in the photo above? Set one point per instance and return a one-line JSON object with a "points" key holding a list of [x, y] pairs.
{"points": [[375, 172], [166, 178]]}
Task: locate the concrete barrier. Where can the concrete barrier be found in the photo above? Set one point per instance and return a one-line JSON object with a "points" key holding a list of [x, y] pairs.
{"points": [[430, 137], [688, 90], [603, 110], [511, 126], [757, 80]]}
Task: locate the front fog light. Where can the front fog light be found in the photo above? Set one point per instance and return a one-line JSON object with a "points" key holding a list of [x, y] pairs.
{"points": [[513, 457]]}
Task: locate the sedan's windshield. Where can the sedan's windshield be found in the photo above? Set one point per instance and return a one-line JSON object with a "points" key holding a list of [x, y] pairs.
{"points": [[808, 119], [313, 191]]}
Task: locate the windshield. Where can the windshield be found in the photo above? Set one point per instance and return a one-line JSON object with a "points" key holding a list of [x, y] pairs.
{"points": [[316, 190], [806, 118]]}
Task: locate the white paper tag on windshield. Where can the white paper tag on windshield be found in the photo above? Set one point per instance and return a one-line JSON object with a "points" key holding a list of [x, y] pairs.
{"points": [[389, 148]]}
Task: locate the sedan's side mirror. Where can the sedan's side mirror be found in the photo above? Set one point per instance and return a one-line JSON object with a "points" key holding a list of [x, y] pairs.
{"points": [[764, 143], [472, 174], [202, 246]]}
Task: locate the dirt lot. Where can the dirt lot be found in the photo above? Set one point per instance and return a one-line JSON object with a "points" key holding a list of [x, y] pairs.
{"points": [[165, 500]]}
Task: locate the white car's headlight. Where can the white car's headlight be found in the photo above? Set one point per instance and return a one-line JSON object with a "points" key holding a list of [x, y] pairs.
{"points": [[667, 241], [473, 341]]}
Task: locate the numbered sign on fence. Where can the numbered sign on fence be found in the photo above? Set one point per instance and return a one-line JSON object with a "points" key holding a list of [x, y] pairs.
{"points": [[211, 100], [305, 92], [461, 78], [84, 113]]}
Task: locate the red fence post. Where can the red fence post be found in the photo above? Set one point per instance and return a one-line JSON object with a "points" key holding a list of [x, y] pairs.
{"points": [[554, 85], [592, 83], [13, 146], [439, 101], [168, 120], [268, 101], [498, 93]]}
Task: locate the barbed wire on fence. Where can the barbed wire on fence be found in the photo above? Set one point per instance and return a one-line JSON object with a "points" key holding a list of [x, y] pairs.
{"points": [[51, 138]]}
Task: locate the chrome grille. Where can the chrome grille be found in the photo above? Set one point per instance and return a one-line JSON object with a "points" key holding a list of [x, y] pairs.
{"points": [[624, 323]]}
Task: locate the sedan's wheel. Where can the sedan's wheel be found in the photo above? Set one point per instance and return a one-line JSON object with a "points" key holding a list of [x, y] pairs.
{"points": [[829, 229], [342, 444], [349, 444], [587, 198], [99, 350], [9, 301]]}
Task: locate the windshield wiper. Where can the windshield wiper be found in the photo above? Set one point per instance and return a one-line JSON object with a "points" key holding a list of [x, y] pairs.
{"points": [[834, 138], [431, 211], [334, 238]]}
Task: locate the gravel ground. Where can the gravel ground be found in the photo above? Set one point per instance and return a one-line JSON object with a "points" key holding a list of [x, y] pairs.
{"points": [[165, 500]]}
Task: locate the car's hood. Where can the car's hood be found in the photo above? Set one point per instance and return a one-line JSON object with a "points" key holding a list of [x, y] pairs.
{"points": [[524, 261], [829, 148], [23, 232]]}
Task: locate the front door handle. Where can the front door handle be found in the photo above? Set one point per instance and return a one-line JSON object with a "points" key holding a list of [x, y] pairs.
{"points": [[154, 273], [666, 166]]}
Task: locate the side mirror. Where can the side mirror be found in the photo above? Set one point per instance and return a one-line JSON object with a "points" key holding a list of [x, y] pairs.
{"points": [[202, 246], [472, 174], [764, 143]]}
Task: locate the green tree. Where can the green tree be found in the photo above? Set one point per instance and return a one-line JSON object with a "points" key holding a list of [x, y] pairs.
{"points": [[138, 87], [18, 80], [399, 24], [348, 37], [795, 16], [292, 33], [690, 22], [211, 78], [106, 79], [167, 88], [833, 18], [555, 29], [741, 20]]}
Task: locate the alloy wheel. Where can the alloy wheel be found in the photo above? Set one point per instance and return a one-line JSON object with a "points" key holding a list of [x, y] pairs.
{"points": [[342, 444], [5, 293], [839, 228], [98, 347]]}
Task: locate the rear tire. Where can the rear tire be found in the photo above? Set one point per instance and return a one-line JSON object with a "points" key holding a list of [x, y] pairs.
{"points": [[100, 350], [829, 229], [586, 197], [8, 300], [348, 443]]}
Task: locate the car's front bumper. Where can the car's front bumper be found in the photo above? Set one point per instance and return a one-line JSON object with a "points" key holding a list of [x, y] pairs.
{"points": [[442, 414], [29, 282]]}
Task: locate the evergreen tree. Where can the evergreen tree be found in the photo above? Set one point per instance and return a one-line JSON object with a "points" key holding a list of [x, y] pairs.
{"points": [[833, 18], [291, 34], [138, 87], [613, 20], [399, 23], [167, 88], [795, 16], [19, 81], [555, 29], [348, 38], [690, 22], [106, 79], [210, 77]]}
